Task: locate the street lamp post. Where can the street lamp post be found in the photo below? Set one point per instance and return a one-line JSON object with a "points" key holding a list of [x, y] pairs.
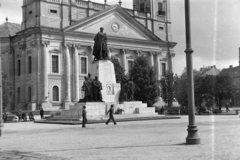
{"points": [[192, 137], [1, 120]]}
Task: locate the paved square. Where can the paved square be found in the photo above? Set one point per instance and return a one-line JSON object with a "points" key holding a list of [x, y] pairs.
{"points": [[135, 140]]}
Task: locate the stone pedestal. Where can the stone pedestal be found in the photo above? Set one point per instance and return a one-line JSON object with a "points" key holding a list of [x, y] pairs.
{"points": [[67, 105], [92, 108], [46, 106], [104, 70], [31, 107]]}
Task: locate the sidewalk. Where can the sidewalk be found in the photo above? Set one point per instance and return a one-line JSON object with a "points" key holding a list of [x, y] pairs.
{"points": [[134, 140]]}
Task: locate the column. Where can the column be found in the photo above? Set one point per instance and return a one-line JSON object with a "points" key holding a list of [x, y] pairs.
{"points": [[67, 74], [158, 66], [45, 71], [151, 59], [124, 60], [75, 74]]}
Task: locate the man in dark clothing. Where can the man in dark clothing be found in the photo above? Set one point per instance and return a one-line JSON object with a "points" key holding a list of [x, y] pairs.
{"points": [[42, 113], [4, 117], [110, 111], [100, 50], [84, 116]]}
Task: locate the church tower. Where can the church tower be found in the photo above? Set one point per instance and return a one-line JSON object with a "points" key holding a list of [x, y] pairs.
{"points": [[160, 15]]}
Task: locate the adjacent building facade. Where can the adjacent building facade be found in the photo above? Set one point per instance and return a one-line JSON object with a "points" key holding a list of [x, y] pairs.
{"points": [[46, 60]]}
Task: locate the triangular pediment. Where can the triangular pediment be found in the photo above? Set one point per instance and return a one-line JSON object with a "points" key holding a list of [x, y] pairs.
{"points": [[116, 23]]}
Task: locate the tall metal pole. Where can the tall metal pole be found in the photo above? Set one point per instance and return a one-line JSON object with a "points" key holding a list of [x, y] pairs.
{"points": [[1, 120], [167, 39], [192, 137]]}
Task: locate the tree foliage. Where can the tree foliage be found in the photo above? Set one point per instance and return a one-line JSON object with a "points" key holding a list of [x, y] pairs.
{"points": [[144, 77], [119, 70], [168, 88], [223, 88], [207, 89]]}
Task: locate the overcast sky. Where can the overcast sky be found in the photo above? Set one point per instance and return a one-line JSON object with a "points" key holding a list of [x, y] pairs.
{"points": [[215, 28]]}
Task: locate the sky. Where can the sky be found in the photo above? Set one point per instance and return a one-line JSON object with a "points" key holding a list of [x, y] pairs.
{"points": [[215, 30]]}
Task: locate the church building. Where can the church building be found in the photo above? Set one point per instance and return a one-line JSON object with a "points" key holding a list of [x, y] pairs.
{"points": [[47, 57]]}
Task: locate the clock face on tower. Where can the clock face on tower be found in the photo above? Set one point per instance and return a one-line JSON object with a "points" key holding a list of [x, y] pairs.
{"points": [[115, 27]]}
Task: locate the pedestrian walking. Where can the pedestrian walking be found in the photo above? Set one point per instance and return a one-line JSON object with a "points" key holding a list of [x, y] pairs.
{"points": [[84, 116], [42, 113], [227, 107], [110, 111]]}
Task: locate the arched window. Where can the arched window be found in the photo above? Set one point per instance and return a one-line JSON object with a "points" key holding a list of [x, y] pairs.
{"points": [[29, 94], [18, 95], [55, 92]]}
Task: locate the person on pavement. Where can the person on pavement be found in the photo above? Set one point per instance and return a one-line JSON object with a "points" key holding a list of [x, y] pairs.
{"points": [[110, 111], [84, 116]]}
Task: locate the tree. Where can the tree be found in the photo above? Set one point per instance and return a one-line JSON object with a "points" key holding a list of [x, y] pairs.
{"points": [[119, 70], [7, 90], [181, 91], [223, 88], [207, 89], [145, 79], [168, 88]]}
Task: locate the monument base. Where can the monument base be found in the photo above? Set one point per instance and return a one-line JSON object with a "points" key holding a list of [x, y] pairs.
{"points": [[92, 108], [46, 106], [105, 72]]}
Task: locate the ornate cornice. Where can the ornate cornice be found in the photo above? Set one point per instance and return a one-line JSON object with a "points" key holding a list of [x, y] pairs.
{"points": [[22, 46], [29, 52], [130, 57], [18, 56], [55, 50], [32, 43], [46, 43], [163, 59]]}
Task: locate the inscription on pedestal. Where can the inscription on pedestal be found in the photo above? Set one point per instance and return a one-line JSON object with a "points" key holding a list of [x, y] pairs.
{"points": [[109, 90]]}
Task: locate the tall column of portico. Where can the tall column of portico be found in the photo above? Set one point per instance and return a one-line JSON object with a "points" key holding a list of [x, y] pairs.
{"points": [[67, 74], [75, 74], [151, 59], [157, 65], [45, 71], [124, 60], [67, 101]]}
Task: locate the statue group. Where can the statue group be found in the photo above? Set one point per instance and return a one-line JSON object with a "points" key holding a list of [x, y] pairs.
{"points": [[92, 89], [100, 49], [127, 89]]}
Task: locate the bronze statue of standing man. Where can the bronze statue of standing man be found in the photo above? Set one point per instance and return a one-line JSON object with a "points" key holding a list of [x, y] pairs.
{"points": [[100, 50]]}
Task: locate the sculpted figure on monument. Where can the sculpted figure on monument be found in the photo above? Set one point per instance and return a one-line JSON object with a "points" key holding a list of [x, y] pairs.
{"points": [[127, 90], [87, 88], [100, 50], [97, 87], [90, 81]]}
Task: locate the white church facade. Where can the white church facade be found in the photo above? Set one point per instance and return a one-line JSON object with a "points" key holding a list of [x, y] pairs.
{"points": [[47, 60]]}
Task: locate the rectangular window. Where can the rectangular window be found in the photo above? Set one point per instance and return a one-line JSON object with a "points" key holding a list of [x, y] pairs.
{"points": [[160, 28], [29, 12], [163, 69], [29, 65], [142, 7], [55, 66], [160, 9], [19, 68], [130, 65], [160, 6], [83, 65], [53, 11]]}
